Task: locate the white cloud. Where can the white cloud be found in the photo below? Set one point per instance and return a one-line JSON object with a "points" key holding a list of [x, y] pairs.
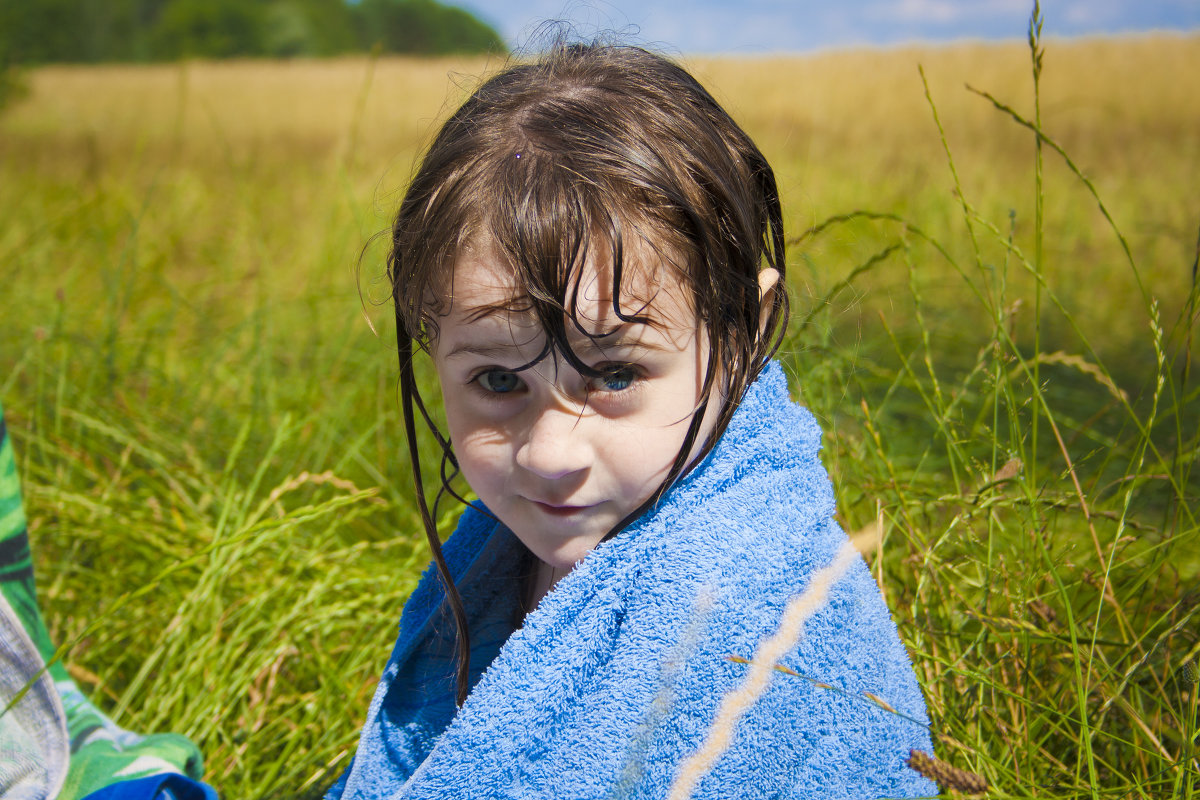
{"points": [[940, 11], [949, 12], [1088, 13]]}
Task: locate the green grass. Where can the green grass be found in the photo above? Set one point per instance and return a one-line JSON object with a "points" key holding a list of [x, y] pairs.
{"points": [[1040, 504], [208, 429]]}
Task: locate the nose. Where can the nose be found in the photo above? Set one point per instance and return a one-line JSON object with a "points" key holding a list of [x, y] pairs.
{"points": [[556, 443]]}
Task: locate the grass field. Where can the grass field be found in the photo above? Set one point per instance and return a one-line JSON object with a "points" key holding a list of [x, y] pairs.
{"points": [[199, 375]]}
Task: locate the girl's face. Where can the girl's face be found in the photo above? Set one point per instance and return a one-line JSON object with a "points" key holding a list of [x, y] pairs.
{"points": [[561, 458]]}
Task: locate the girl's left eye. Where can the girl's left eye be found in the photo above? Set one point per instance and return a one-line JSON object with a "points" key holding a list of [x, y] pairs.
{"points": [[616, 378]]}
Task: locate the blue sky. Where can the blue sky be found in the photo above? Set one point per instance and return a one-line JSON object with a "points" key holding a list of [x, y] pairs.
{"points": [[763, 26]]}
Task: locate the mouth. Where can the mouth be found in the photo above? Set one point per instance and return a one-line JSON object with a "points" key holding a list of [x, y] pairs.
{"points": [[559, 510]]}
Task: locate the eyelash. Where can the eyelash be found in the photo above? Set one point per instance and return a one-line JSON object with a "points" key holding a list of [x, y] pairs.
{"points": [[476, 383], [636, 381], [613, 369]]}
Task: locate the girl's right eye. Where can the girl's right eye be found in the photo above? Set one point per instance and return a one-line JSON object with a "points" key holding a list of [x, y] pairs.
{"points": [[498, 381]]}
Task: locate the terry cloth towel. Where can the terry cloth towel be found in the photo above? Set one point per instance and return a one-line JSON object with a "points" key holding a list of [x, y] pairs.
{"points": [[158, 787], [614, 679]]}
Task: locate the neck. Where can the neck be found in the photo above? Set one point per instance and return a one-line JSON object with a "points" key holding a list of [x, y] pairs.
{"points": [[541, 580]]}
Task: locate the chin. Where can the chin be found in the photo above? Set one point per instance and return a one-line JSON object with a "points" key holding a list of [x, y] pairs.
{"points": [[569, 554]]}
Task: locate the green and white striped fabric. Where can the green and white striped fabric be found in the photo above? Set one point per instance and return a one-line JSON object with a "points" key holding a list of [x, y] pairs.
{"points": [[16, 565], [101, 752]]}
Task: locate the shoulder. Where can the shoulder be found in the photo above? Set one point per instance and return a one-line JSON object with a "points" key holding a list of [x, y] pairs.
{"points": [[475, 526]]}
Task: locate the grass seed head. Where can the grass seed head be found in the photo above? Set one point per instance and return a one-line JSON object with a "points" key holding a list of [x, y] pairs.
{"points": [[944, 775], [1043, 612]]}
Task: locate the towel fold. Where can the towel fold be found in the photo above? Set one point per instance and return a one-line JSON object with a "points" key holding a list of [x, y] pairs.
{"points": [[615, 678]]}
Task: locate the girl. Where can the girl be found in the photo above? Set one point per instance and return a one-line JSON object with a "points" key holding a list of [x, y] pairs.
{"points": [[592, 253]]}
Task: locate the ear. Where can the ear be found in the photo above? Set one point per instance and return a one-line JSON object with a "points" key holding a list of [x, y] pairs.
{"points": [[768, 284]]}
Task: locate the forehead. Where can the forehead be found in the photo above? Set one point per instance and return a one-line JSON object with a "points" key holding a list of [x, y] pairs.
{"points": [[484, 285]]}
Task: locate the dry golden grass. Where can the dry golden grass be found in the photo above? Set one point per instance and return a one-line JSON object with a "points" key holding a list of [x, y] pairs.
{"points": [[1115, 103], [268, 158], [278, 151]]}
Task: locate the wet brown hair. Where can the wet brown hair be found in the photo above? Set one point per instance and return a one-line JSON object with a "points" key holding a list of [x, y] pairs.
{"points": [[591, 146]]}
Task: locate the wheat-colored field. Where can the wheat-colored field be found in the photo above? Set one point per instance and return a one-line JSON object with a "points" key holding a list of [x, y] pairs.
{"points": [[272, 153], [199, 377]]}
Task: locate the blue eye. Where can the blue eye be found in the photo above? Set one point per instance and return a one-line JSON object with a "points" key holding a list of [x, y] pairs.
{"points": [[616, 379], [498, 381]]}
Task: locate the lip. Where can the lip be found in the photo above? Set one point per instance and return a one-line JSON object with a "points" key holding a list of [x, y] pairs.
{"points": [[556, 510]]}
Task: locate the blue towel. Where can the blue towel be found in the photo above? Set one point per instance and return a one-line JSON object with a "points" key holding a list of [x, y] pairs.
{"points": [[167, 786], [614, 679]]}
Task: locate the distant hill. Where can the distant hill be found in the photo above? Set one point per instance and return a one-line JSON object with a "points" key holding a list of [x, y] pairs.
{"points": [[86, 31]]}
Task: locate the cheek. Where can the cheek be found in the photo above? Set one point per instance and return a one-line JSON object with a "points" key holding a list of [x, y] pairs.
{"points": [[675, 412], [484, 455], [467, 423], [458, 421], [640, 456]]}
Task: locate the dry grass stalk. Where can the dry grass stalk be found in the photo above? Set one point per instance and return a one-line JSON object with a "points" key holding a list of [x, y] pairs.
{"points": [[1010, 470], [946, 776], [1084, 366], [326, 477], [1043, 611]]}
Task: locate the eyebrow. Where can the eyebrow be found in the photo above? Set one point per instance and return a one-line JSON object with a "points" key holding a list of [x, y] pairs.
{"points": [[621, 340], [486, 350]]}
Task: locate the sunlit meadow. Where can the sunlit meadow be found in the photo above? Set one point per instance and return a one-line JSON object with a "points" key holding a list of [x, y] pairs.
{"points": [[997, 331]]}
